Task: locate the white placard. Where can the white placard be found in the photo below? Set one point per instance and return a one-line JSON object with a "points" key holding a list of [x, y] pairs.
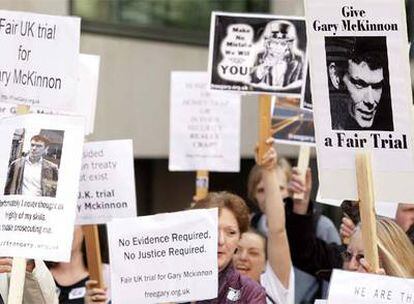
{"points": [[39, 61], [362, 100], [361, 288], [387, 209], [85, 102], [204, 125], [39, 184], [107, 183], [88, 89], [321, 302], [257, 53], [168, 257]]}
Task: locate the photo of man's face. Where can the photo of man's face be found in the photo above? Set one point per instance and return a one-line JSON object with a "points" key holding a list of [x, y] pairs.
{"points": [[37, 149], [365, 88], [359, 91]]}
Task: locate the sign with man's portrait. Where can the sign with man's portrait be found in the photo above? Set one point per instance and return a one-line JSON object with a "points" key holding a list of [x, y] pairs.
{"points": [[257, 53], [361, 95], [40, 161]]}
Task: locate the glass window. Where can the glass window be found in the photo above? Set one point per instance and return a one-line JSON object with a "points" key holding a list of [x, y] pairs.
{"points": [[184, 21]]}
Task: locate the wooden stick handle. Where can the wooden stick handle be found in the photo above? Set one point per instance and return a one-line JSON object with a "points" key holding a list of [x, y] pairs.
{"points": [[367, 208], [93, 254], [264, 124], [18, 273], [303, 164], [17, 278], [201, 184]]}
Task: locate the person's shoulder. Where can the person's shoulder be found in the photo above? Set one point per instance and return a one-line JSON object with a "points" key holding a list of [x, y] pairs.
{"points": [[252, 290]]}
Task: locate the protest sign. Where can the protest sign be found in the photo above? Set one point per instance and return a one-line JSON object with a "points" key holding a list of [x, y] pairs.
{"points": [[40, 159], [39, 62], [204, 125], [106, 184], [164, 258], [85, 102], [387, 209], [257, 53], [291, 124], [361, 95], [361, 288], [87, 89]]}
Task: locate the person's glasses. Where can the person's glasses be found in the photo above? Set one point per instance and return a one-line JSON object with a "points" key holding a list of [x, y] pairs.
{"points": [[347, 256]]}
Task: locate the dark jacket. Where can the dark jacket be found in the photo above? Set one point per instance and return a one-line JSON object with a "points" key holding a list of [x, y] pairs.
{"points": [[235, 288], [309, 253], [48, 182]]}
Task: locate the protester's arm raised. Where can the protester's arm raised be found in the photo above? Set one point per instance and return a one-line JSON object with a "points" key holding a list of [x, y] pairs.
{"points": [[278, 246]]}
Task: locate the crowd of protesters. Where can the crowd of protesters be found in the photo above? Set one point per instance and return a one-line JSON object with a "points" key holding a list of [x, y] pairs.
{"points": [[283, 253]]}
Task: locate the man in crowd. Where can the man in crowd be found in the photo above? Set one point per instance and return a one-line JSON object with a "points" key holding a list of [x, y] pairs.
{"points": [[359, 94], [33, 175]]}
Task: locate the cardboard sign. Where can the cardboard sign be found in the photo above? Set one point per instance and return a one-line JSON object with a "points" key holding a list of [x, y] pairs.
{"points": [[257, 53], [87, 89], [360, 288], [360, 77], [291, 124], [39, 62], [107, 184], [164, 258], [85, 102], [40, 159], [204, 125]]}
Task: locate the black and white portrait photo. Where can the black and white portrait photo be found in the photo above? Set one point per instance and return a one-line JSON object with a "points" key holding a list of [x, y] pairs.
{"points": [[257, 53], [359, 91], [34, 163]]}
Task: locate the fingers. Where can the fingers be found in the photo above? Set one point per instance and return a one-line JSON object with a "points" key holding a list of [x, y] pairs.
{"points": [[6, 265], [347, 228], [296, 183], [95, 295], [366, 267]]}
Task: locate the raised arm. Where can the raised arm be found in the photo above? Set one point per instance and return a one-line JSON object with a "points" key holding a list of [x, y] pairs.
{"points": [[278, 245]]}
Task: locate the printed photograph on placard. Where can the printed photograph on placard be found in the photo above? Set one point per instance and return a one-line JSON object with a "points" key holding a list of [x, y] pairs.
{"points": [[34, 162], [291, 124], [257, 53], [359, 90]]}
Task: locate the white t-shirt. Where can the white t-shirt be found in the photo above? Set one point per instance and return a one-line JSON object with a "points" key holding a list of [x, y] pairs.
{"points": [[32, 175], [275, 289]]}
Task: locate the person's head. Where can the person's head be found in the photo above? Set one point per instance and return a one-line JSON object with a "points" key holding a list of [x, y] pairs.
{"points": [[250, 257], [362, 77], [404, 216], [280, 39], [233, 221], [396, 253], [38, 146], [255, 186]]}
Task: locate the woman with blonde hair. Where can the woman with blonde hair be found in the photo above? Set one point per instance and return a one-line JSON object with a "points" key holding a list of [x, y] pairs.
{"points": [[395, 250]]}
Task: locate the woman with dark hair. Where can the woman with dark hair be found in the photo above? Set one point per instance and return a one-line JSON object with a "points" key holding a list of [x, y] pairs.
{"points": [[233, 221]]}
